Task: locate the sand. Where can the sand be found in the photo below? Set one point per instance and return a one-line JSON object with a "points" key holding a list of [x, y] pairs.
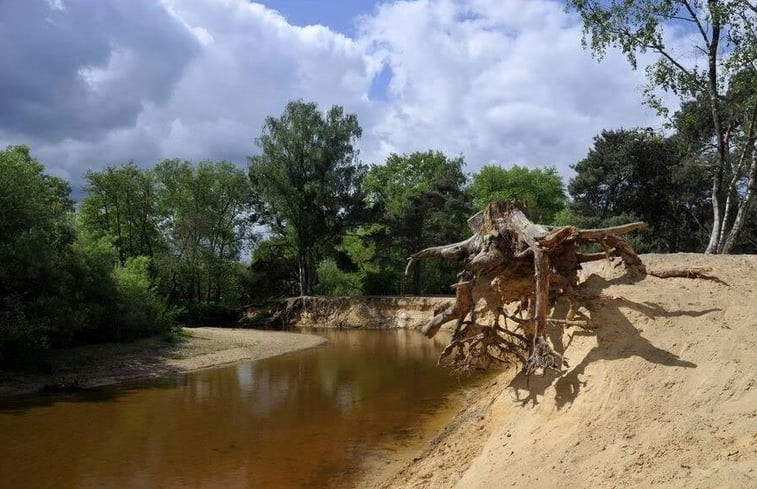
{"points": [[663, 394], [200, 348]]}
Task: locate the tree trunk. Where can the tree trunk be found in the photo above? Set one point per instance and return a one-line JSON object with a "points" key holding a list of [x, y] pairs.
{"points": [[712, 94]]}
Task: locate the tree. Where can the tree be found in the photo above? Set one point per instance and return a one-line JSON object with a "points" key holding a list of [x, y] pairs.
{"points": [[419, 199], [306, 180], [204, 219], [273, 270], [36, 232], [121, 203], [640, 175], [541, 190], [58, 282], [725, 32]]}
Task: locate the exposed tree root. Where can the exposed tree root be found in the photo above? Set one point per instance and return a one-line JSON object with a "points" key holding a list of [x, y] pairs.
{"points": [[512, 264], [698, 273]]}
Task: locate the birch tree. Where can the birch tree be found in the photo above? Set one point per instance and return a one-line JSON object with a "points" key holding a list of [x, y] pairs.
{"points": [[722, 35]]}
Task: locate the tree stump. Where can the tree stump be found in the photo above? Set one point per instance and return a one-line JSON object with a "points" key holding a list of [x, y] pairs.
{"points": [[516, 269]]}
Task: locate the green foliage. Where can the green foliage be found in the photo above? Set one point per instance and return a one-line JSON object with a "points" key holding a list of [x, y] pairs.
{"points": [[139, 312], [272, 271], [333, 281], [36, 233], [419, 201], [306, 181], [58, 286], [402, 177], [121, 203], [723, 81], [541, 190], [564, 217], [638, 175], [203, 211]]}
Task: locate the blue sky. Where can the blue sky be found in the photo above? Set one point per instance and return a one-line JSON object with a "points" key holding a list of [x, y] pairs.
{"points": [[339, 15], [89, 84]]}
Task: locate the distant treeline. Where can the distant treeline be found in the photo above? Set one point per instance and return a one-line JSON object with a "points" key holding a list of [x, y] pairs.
{"points": [[147, 248]]}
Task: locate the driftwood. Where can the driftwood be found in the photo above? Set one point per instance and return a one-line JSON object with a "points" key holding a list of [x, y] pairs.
{"points": [[702, 273], [517, 269]]}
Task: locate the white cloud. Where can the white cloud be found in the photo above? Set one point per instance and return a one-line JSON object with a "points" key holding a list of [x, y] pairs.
{"points": [[503, 81]]}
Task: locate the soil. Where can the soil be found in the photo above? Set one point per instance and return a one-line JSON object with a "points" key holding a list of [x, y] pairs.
{"points": [[198, 348], [662, 394]]}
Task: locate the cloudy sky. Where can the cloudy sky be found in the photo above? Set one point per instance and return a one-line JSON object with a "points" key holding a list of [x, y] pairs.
{"points": [[90, 83]]}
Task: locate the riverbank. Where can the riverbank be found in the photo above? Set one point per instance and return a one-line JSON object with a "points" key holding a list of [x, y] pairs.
{"points": [[197, 348], [662, 394]]}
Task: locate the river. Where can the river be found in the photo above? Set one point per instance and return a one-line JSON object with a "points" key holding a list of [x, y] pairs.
{"points": [[315, 418]]}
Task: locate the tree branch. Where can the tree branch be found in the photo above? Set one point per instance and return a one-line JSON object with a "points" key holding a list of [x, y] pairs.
{"points": [[695, 19]]}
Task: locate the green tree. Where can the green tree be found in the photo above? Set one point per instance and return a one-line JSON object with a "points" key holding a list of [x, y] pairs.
{"points": [[121, 203], [273, 270], [420, 201], [540, 189], [203, 211], [36, 233], [637, 174], [58, 285], [725, 32], [306, 180]]}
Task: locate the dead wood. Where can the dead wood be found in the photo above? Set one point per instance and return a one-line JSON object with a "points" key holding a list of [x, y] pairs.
{"points": [[513, 264], [697, 273]]}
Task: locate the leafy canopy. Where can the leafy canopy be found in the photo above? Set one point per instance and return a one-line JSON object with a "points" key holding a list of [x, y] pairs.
{"points": [[306, 180], [540, 189]]}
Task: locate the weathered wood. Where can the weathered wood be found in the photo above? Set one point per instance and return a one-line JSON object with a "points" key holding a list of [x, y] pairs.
{"points": [[459, 309], [511, 260], [557, 236], [701, 273], [452, 252], [597, 234], [588, 257]]}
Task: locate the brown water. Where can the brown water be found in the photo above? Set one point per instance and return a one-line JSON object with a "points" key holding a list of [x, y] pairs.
{"points": [[313, 418]]}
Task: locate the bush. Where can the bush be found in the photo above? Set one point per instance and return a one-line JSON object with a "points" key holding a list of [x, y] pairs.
{"points": [[209, 314], [140, 312], [333, 281]]}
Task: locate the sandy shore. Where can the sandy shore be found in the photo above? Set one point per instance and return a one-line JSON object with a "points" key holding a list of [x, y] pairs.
{"points": [[661, 394], [96, 365]]}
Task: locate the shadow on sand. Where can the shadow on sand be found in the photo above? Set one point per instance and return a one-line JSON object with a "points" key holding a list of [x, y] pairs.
{"points": [[617, 338]]}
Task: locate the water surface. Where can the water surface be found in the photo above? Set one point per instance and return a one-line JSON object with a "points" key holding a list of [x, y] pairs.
{"points": [[311, 419]]}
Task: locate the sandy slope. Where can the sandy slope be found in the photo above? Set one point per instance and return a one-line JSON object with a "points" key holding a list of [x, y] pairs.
{"points": [[662, 395]]}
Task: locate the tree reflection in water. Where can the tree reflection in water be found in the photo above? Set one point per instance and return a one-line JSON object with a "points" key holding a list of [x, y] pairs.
{"points": [[305, 419]]}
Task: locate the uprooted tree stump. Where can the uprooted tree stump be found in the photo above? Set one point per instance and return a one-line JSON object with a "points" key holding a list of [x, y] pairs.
{"points": [[517, 269]]}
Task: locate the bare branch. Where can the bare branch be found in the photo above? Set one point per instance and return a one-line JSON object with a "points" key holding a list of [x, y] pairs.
{"points": [[696, 20]]}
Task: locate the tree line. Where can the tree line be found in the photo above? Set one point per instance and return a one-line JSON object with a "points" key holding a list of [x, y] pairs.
{"points": [[185, 242]]}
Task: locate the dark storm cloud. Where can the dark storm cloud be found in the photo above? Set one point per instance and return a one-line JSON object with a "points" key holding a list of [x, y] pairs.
{"points": [[88, 83], [79, 68]]}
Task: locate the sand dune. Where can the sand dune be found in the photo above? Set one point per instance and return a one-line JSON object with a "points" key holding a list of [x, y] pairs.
{"points": [[663, 394]]}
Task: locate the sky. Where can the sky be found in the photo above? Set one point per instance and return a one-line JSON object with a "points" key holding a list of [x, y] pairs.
{"points": [[90, 84]]}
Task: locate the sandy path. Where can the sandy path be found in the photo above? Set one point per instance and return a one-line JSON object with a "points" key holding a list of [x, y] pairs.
{"points": [[202, 348]]}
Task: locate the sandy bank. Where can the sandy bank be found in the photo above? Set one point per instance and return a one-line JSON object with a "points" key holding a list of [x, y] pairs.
{"points": [[662, 394], [370, 312], [202, 348]]}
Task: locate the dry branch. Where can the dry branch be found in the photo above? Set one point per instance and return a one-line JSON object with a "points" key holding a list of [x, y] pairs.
{"points": [[698, 273]]}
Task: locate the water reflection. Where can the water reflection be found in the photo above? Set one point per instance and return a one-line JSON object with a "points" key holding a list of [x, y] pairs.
{"points": [[307, 419]]}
